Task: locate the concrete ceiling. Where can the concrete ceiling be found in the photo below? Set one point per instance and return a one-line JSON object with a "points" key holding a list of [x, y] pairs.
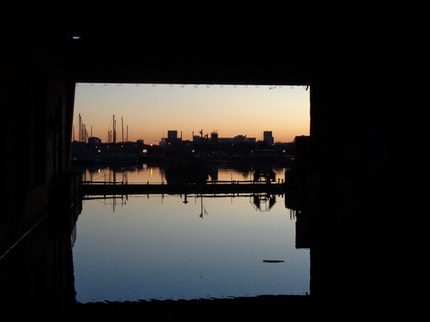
{"points": [[231, 43]]}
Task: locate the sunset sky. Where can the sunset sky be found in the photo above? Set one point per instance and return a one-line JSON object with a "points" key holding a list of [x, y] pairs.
{"points": [[150, 110]]}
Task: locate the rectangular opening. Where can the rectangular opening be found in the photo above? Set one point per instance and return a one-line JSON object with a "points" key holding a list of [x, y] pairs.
{"points": [[181, 244]]}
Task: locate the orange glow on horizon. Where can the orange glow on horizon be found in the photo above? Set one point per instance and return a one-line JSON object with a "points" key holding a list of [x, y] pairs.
{"points": [[146, 111]]}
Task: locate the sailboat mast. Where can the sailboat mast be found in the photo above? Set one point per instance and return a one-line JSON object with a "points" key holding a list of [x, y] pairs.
{"points": [[80, 128], [113, 129], [122, 130]]}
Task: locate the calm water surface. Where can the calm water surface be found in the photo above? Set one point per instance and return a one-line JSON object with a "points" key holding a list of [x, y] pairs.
{"points": [[187, 247], [155, 174]]}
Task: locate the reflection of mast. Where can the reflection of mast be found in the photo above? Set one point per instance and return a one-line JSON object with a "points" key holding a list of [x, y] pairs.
{"points": [[202, 209], [185, 199]]}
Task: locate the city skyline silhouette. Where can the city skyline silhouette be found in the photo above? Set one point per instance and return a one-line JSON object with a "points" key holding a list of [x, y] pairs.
{"points": [[148, 111]]}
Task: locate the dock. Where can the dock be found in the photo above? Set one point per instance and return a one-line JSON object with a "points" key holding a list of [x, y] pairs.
{"points": [[91, 188]]}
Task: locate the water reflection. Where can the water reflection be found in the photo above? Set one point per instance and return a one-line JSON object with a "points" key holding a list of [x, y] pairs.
{"points": [[155, 173], [158, 247], [349, 255]]}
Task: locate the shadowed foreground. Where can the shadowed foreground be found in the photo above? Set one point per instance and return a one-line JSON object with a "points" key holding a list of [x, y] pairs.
{"points": [[259, 308], [227, 309]]}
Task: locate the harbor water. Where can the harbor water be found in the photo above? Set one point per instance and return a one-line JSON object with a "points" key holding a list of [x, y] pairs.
{"points": [[142, 247]]}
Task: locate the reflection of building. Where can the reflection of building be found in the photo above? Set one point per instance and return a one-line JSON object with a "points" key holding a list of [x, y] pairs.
{"points": [[263, 202], [264, 174], [186, 169]]}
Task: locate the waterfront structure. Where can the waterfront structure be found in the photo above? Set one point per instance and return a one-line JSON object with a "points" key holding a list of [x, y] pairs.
{"points": [[368, 204]]}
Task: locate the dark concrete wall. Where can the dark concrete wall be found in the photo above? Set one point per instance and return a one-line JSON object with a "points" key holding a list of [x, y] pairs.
{"points": [[38, 191], [368, 134], [37, 115]]}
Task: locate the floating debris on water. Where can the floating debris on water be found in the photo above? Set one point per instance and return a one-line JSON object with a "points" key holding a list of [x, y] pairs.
{"points": [[273, 261]]}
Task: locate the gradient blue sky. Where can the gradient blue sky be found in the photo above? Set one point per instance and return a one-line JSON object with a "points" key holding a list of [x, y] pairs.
{"points": [[150, 110]]}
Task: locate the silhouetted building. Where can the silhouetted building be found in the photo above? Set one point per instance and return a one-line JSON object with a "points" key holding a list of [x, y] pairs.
{"points": [[94, 140], [268, 137], [214, 137], [172, 134]]}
